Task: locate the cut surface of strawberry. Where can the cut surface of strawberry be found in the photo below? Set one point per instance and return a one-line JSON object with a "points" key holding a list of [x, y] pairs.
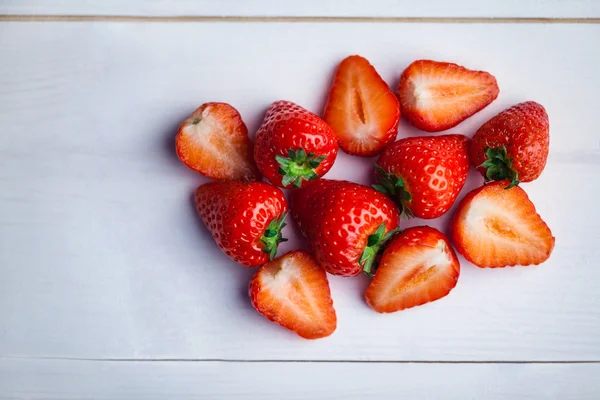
{"points": [[435, 96], [417, 267], [293, 291], [498, 227], [214, 142], [361, 109]]}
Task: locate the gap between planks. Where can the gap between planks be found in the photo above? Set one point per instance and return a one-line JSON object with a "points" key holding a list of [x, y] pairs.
{"points": [[234, 360], [209, 18]]}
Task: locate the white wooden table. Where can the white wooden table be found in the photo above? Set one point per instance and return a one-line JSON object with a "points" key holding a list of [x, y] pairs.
{"points": [[111, 289]]}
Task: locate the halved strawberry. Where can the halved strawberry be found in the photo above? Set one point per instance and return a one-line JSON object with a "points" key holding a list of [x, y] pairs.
{"points": [[435, 96], [214, 141], [418, 266], [361, 109], [498, 227], [293, 291]]}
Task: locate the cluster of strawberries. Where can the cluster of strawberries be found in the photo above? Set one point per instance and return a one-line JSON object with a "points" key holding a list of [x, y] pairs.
{"points": [[351, 228]]}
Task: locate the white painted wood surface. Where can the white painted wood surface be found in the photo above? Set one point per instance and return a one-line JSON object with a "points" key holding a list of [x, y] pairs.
{"points": [[85, 380], [311, 8], [102, 256], [99, 237]]}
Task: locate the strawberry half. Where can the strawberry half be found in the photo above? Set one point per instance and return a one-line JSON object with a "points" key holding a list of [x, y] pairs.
{"points": [[513, 145], [435, 96], [498, 227], [424, 175], [418, 266], [293, 292], [244, 218], [361, 109], [214, 142]]}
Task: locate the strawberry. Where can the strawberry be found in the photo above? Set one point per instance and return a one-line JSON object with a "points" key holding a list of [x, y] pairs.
{"points": [[417, 266], [345, 224], [244, 218], [513, 145], [435, 96], [424, 174], [293, 145], [293, 292], [498, 227], [214, 141], [361, 109]]}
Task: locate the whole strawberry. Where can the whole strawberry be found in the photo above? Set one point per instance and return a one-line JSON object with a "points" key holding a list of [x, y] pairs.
{"points": [[424, 175], [293, 145], [513, 145], [244, 218], [345, 224]]}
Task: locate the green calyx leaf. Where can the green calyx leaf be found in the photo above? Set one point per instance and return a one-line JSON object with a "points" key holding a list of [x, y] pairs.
{"points": [[298, 167], [374, 243], [394, 187], [272, 236], [498, 166]]}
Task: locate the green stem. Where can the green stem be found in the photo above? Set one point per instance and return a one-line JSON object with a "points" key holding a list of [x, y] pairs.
{"points": [[498, 166], [394, 187], [374, 243], [272, 236], [298, 167]]}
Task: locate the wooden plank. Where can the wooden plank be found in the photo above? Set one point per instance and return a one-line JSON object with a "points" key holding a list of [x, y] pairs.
{"points": [[311, 8], [81, 380], [101, 254]]}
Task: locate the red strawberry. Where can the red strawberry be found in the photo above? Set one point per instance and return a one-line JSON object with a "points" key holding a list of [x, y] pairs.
{"points": [[361, 109], [513, 145], [435, 96], [424, 174], [293, 292], [498, 227], [214, 141], [417, 266], [245, 218], [345, 224], [293, 145]]}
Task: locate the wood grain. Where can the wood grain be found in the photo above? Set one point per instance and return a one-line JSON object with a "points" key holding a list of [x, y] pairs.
{"points": [[70, 380], [311, 8]]}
